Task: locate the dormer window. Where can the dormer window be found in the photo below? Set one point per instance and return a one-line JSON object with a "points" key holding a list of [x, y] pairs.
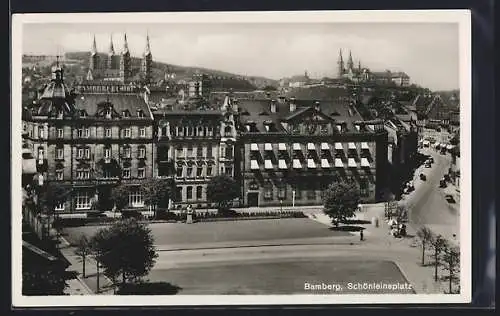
{"points": [[107, 114], [140, 113], [126, 113], [60, 114], [83, 113]]}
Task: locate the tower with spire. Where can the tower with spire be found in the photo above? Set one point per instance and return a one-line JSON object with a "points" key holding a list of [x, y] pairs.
{"points": [[350, 63], [125, 61], [111, 54], [340, 63], [94, 57], [147, 62]]}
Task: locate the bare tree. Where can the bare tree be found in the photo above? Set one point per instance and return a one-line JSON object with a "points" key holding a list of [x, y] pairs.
{"points": [[83, 250], [451, 259], [438, 245], [425, 235]]}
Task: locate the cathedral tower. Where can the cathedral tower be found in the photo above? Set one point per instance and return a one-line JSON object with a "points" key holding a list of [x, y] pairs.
{"points": [[147, 62], [111, 54], [125, 61], [341, 69], [94, 57], [350, 63]]}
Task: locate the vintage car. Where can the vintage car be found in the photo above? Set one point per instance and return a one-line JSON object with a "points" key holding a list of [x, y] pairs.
{"points": [[423, 177], [449, 198]]}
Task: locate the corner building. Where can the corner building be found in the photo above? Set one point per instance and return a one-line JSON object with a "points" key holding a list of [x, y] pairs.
{"points": [[293, 149]]}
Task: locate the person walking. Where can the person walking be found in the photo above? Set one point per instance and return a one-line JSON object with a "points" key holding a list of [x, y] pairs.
{"points": [[361, 235]]}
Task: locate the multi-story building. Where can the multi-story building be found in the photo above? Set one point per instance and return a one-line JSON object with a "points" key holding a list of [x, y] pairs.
{"points": [[90, 141], [190, 147], [293, 149]]}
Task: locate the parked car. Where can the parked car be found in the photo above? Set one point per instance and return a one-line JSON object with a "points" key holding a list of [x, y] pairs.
{"points": [[431, 160], [423, 177], [442, 183], [427, 164], [450, 198]]}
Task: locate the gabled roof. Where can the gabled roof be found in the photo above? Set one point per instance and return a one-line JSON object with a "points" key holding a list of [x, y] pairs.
{"points": [[121, 102]]}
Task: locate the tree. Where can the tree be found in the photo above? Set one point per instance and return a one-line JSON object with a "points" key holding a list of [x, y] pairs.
{"points": [[125, 249], [425, 235], [157, 192], [341, 200], [83, 249], [451, 259], [52, 195], [221, 190], [120, 196], [438, 244]]}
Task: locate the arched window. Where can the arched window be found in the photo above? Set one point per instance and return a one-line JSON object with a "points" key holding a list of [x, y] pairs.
{"points": [[227, 131]]}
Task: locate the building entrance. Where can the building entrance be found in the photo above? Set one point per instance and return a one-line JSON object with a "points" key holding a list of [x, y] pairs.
{"points": [[253, 199]]}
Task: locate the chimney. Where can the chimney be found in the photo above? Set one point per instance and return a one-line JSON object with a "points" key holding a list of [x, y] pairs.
{"points": [[274, 107], [293, 106], [317, 106]]}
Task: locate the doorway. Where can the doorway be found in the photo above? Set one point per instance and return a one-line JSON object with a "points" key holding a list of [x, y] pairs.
{"points": [[253, 199]]}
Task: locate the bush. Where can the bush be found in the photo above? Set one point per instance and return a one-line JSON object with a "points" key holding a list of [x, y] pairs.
{"points": [[164, 215], [153, 288], [132, 214], [227, 213], [69, 222]]}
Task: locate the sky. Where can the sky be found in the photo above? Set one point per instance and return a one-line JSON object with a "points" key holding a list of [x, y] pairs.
{"points": [[427, 52]]}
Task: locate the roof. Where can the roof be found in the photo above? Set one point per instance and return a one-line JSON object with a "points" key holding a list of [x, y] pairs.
{"points": [[259, 112], [121, 102], [318, 93]]}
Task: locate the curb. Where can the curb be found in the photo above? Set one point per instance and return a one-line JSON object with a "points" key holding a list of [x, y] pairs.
{"points": [[258, 246]]}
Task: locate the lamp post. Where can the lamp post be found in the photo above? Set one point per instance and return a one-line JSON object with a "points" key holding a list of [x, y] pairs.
{"points": [[293, 198], [281, 206]]}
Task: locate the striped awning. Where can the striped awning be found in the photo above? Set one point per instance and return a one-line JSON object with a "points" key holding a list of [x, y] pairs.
{"points": [[364, 145], [352, 145], [450, 147], [268, 147], [339, 163], [338, 146], [254, 147], [325, 146], [268, 164], [282, 146], [297, 164], [282, 164], [311, 164], [325, 163], [254, 165], [310, 146], [365, 162], [351, 163], [296, 146]]}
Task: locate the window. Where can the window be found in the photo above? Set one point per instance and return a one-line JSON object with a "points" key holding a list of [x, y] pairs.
{"points": [[79, 132], [60, 133], [87, 132], [126, 173], [140, 113], [298, 193], [229, 152], [107, 132], [25, 127], [189, 172], [107, 153], [179, 171], [227, 131], [200, 130], [82, 201], [363, 187], [125, 113], [126, 132], [179, 193], [40, 153], [210, 131], [142, 132], [141, 173], [311, 194], [60, 153], [87, 153], [282, 192], [189, 193], [59, 207], [135, 198], [180, 151], [79, 153], [324, 129], [107, 114], [142, 152], [229, 171], [209, 152], [223, 151], [164, 131], [199, 192], [199, 171], [268, 191], [59, 175], [41, 133], [190, 151], [126, 152], [199, 152], [209, 171]]}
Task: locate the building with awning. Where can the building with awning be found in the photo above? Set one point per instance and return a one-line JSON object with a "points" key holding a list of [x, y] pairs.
{"points": [[254, 165], [268, 147], [351, 163], [254, 147], [296, 164], [365, 163], [296, 146], [338, 146], [325, 164], [268, 164], [311, 164], [282, 164], [339, 163], [325, 146], [364, 146], [352, 146], [310, 146], [282, 147]]}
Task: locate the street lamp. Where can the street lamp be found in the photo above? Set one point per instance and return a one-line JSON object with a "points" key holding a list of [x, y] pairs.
{"points": [[293, 198], [281, 206]]}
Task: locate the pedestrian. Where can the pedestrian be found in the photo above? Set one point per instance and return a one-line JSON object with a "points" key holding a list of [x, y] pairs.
{"points": [[361, 235]]}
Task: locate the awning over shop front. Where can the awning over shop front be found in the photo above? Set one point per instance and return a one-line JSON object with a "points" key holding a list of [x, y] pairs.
{"points": [[268, 164], [352, 145], [311, 164], [325, 146], [364, 145], [339, 163], [325, 163], [254, 147], [296, 146], [338, 146], [351, 163], [282, 164], [365, 162], [254, 165], [282, 146], [310, 146], [268, 147], [297, 164]]}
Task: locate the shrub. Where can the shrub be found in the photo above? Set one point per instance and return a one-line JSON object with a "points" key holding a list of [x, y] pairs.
{"points": [[132, 214]]}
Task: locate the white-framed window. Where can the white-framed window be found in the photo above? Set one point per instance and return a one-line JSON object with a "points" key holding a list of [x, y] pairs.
{"points": [[40, 153], [60, 153], [209, 152], [142, 152], [87, 132], [189, 193], [79, 153], [126, 173], [190, 151], [199, 171], [210, 131], [179, 151], [142, 132], [199, 192], [141, 173], [87, 153], [60, 133], [107, 132], [107, 153], [107, 114], [60, 207], [229, 171], [126, 132], [179, 171], [59, 175], [135, 198], [25, 127], [79, 132], [209, 171], [127, 152], [82, 201], [41, 133], [140, 113], [107, 174]]}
